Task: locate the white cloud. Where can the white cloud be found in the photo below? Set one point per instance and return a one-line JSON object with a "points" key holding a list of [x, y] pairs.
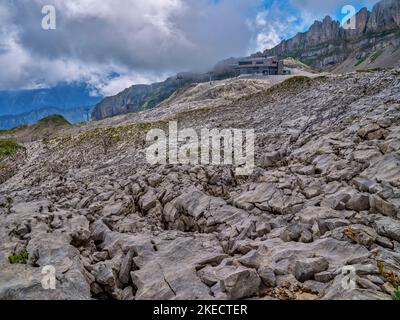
{"points": [[142, 40], [268, 39], [115, 85], [270, 26], [139, 39]]}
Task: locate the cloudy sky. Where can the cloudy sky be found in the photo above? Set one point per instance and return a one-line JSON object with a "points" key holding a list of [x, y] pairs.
{"points": [[142, 41]]}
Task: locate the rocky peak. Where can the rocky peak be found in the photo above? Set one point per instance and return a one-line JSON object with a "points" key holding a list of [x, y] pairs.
{"points": [[362, 18], [327, 43], [324, 31], [385, 16]]}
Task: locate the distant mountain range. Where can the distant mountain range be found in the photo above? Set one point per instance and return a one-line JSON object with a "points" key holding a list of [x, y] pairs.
{"points": [[28, 106], [74, 115], [326, 46], [64, 96], [143, 97]]}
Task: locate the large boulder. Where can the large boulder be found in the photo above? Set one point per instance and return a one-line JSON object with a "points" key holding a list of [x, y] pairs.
{"points": [[306, 269], [241, 283], [170, 272], [388, 227]]}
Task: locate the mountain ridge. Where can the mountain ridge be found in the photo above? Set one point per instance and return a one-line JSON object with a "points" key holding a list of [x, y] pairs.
{"points": [[326, 46], [68, 99], [73, 115], [142, 97]]}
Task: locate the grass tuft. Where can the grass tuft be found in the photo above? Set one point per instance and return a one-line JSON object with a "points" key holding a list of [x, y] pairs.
{"points": [[375, 56], [290, 83], [296, 80], [13, 130], [55, 120], [20, 258], [369, 70], [396, 294], [360, 61], [9, 148]]}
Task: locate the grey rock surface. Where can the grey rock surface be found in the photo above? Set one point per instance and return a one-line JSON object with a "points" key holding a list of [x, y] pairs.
{"points": [[115, 227]]}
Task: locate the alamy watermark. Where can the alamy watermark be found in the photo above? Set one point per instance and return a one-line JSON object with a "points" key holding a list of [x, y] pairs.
{"points": [[349, 278], [349, 21], [49, 278], [49, 21], [213, 147]]}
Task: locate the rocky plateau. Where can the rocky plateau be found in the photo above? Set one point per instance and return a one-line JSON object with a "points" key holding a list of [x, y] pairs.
{"points": [[324, 196]]}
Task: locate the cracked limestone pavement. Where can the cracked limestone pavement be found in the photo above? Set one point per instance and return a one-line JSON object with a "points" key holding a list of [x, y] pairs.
{"points": [[325, 194]]}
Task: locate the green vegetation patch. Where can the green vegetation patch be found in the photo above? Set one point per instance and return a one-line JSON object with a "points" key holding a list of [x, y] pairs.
{"points": [[111, 134], [3, 165], [9, 148], [291, 83], [20, 258], [375, 56], [396, 294], [55, 120], [382, 34], [296, 80], [13, 130], [44, 126], [369, 70], [144, 106], [192, 113], [360, 61], [391, 277]]}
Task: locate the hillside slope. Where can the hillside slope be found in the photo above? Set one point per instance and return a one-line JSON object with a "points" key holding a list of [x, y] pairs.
{"points": [[42, 129], [324, 195], [144, 97]]}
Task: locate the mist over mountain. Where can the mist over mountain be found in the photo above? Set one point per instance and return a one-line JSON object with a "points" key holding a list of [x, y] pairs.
{"points": [[326, 46], [143, 97]]}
